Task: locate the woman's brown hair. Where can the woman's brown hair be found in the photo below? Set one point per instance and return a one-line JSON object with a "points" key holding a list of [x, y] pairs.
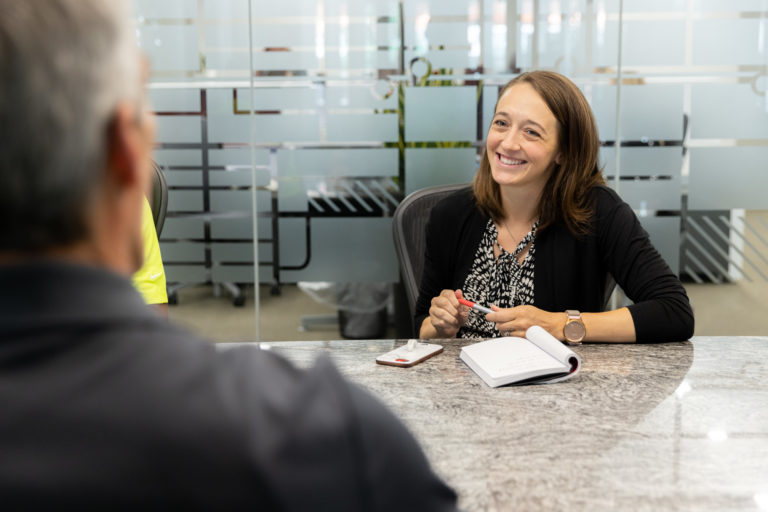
{"points": [[566, 194]]}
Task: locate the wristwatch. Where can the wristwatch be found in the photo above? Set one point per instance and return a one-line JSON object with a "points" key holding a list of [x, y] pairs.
{"points": [[574, 330]]}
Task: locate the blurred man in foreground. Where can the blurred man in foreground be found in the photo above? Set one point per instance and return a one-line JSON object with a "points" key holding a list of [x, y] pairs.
{"points": [[105, 404]]}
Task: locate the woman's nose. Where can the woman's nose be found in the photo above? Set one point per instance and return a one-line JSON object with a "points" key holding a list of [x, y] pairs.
{"points": [[512, 140]]}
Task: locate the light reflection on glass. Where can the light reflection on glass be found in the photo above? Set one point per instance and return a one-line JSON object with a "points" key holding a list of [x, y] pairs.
{"points": [[500, 13], [761, 499], [344, 41], [574, 20], [600, 20], [499, 35], [320, 33], [526, 18], [717, 436], [473, 32], [526, 26], [683, 389], [554, 18], [420, 25]]}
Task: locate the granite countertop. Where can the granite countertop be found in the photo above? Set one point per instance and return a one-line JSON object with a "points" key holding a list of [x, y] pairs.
{"points": [[674, 426]]}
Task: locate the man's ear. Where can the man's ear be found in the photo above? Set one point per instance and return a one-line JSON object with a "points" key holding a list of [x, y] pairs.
{"points": [[124, 145]]}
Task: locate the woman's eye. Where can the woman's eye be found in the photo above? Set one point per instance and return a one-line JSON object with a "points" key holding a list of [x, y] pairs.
{"points": [[532, 133], [500, 122]]}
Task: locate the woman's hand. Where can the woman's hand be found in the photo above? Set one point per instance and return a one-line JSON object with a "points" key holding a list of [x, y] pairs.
{"points": [[446, 314], [515, 321]]}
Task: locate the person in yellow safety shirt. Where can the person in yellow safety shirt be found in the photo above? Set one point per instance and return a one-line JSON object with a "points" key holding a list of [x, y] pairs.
{"points": [[150, 279]]}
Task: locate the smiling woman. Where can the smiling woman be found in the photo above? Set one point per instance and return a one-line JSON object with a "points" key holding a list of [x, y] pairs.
{"points": [[539, 235]]}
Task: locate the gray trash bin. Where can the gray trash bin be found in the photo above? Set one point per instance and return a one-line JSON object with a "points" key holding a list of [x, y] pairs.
{"points": [[362, 307]]}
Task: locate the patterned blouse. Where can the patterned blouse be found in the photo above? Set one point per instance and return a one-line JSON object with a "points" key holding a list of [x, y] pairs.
{"points": [[502, 281]]}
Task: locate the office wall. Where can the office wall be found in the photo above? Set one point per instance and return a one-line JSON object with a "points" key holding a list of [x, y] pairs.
{"points": [[328, 112]]}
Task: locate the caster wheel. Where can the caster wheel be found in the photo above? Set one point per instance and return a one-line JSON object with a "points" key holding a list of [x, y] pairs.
{"points": [[173, 299], [239, 301]]}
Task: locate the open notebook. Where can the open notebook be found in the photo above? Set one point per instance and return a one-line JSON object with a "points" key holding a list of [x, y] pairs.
{"points": [[536, 359]]}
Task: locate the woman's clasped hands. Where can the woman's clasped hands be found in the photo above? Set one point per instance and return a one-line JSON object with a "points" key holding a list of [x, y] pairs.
{"points": [[448, 316]]}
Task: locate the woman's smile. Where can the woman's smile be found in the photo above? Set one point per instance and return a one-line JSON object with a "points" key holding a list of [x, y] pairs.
{"points": [[509, 161]]}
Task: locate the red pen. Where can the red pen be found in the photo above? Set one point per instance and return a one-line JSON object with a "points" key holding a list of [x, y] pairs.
{"points": [[472, 305]]}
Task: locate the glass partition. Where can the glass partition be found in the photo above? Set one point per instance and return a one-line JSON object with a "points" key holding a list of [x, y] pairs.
{"points": [[318, 117]]}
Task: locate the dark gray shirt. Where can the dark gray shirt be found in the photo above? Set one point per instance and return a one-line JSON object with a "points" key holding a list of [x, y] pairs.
{"points": [[106, 405]]}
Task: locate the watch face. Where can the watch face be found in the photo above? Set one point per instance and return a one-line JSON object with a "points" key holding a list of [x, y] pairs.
{"points": [[574, 331]]}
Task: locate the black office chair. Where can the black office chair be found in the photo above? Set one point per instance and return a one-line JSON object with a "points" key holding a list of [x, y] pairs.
{"points": [[158, 200], [408, 225], [408, 228]]}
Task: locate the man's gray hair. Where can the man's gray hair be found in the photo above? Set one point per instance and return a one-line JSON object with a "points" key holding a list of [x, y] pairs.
{"points": [[64, 66]]}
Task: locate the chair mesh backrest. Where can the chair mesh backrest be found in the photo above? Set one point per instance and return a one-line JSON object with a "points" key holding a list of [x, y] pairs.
{"points": [[408, 228], [158, 201]]}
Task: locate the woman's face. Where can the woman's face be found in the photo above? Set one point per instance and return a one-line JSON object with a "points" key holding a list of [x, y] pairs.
{"points": [[522, 141]]}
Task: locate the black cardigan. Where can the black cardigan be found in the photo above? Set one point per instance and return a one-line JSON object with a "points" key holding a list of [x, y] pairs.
{"points": [[571, 272]]}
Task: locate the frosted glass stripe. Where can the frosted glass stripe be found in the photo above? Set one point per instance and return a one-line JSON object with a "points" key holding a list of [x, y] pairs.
{"points": [[223, 62], [227, 8], [185, 200], [652, 112], [665, 48], [226, 34], [241, 228], [360, 128], [730, 111], [717, 5], [343, 250], [165, 9], [285, 60], [602, 99], [435, 8], [338, 162], [239, 201], [170, 48], [283, 35], [448, 59], [178, 129], [725, 42], [237, 178], [643, 161], [182, 251], [446, 33], [726, 178], [235, 157], [428, 167], [178, 157], [440, 113], [174, 100], [367, 96], [665, 236], [654, 6], [650, 196], [183, 179], [182, 228], [331, 8]]}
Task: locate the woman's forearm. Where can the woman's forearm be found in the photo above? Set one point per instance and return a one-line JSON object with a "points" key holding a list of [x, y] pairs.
{"points": [[609, 327]]}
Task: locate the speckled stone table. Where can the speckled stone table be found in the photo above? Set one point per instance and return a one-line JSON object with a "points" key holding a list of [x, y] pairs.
{"points": [[677, 426]]}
